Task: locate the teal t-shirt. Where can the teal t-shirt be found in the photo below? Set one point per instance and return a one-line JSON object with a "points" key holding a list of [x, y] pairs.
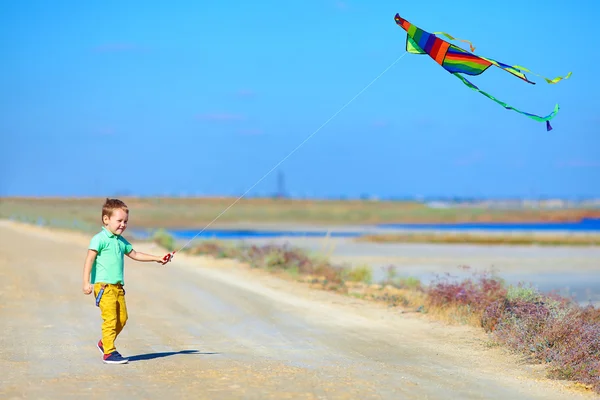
{"points": [[111, 248]]}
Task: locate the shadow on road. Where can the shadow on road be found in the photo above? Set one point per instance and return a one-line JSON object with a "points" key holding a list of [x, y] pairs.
{"points": [[151, 356]]}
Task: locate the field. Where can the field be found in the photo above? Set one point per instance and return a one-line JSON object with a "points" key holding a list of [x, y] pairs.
{"points": [[160, 212], [196, 213]]}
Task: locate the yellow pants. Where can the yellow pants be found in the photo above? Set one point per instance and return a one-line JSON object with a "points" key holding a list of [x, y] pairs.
{"points": [[114, 313]]}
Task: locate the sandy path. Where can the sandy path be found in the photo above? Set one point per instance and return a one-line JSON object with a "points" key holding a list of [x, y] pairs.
{"points": [[196, 331]]}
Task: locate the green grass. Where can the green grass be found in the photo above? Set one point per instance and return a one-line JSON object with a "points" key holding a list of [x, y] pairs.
{"points": [[361, 273]]}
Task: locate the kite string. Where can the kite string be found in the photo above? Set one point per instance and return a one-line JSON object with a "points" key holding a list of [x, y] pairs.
{"points": [[294, 150]]}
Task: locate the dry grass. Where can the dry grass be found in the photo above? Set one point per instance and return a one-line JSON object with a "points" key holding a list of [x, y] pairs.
{"points": [[487, 239], [454, 314], [159, 212]]}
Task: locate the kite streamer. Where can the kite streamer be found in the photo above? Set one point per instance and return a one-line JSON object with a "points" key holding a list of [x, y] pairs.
{"points": [[458, 61]]}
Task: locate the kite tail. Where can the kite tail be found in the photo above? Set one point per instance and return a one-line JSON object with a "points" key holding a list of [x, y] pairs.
{"points": [[532, 116], [453, 38], [519, 71], [551, 81]]}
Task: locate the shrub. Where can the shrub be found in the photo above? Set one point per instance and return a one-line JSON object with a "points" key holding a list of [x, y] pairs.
{"points": [[361, 273], [552, 330], [476, 294], [164, 239]]}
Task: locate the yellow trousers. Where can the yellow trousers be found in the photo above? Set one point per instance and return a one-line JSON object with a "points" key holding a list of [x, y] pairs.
{"points": [[114, 313]]}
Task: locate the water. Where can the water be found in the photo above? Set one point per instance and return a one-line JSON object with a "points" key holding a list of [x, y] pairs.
{"points": [[225, 234], [585, 225]]}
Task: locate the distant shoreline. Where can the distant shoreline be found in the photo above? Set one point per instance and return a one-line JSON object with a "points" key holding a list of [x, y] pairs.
{"points": [[314, 217], [586, 232]]}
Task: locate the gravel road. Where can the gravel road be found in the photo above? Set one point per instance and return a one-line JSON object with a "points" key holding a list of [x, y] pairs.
{"points": [[203, 329]]}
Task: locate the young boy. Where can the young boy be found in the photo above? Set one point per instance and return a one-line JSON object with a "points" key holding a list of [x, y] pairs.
{"points": [[103, 274]]}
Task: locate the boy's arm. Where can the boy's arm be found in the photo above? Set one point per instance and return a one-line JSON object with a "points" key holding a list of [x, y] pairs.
{"points": [[139, 256], [87, 270]]}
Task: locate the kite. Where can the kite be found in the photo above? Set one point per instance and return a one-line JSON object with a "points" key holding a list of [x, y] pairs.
{"points": [[458, 61]]}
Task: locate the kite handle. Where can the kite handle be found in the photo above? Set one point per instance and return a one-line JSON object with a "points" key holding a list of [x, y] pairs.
{"points": [[168, 257]]}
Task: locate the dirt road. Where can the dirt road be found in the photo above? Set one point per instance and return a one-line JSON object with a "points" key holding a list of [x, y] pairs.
{"points": [[202, 332]]}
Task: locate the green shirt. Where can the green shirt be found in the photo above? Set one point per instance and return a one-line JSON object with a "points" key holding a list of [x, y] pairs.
{"points": [[111, 248]]}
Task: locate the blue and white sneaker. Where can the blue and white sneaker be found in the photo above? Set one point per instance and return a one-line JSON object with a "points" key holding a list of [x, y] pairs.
{"points": [[114, 358], [100, 346]]}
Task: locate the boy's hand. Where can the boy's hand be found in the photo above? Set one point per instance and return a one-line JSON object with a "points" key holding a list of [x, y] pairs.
{"points": [[168, 257], [87, 288]]}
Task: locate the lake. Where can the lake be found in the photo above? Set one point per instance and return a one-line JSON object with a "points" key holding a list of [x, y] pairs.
{"points": [[285, 230]]}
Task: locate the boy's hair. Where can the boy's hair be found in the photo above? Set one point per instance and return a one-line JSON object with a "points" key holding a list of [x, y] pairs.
{"points": [[110, 205]]}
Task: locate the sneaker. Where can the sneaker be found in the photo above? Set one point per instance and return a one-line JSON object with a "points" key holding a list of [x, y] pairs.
{"points": [[114, 358], [100, 346]]}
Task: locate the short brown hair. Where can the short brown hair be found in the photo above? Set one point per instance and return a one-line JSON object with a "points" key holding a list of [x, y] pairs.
{"points": [[111, 205]]}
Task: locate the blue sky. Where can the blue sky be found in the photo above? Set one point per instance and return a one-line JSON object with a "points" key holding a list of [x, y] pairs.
{"points": [[203, 98]]}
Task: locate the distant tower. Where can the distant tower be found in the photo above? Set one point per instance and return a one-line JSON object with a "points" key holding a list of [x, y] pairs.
{"points": [[280, 185]]}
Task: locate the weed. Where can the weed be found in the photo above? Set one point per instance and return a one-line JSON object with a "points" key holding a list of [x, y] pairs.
{"points": [[408, 282], [477, 294], [361, 273], [528, 294]]}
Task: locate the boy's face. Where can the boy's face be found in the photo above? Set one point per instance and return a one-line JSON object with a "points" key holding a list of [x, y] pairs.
{"points": [[117, 223]]}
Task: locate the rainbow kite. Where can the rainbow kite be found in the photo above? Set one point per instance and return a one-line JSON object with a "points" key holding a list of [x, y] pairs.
{"points": [[456, 61]]}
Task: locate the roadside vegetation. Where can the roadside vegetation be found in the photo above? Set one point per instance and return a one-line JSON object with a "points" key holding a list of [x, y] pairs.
{"points": [[490, 239], [544, 328]]}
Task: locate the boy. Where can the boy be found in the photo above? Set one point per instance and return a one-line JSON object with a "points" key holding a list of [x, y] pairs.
{"points": [[103, 274]]}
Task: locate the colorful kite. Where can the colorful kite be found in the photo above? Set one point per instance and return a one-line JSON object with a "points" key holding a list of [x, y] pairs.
{"points": [[456, 61]]}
